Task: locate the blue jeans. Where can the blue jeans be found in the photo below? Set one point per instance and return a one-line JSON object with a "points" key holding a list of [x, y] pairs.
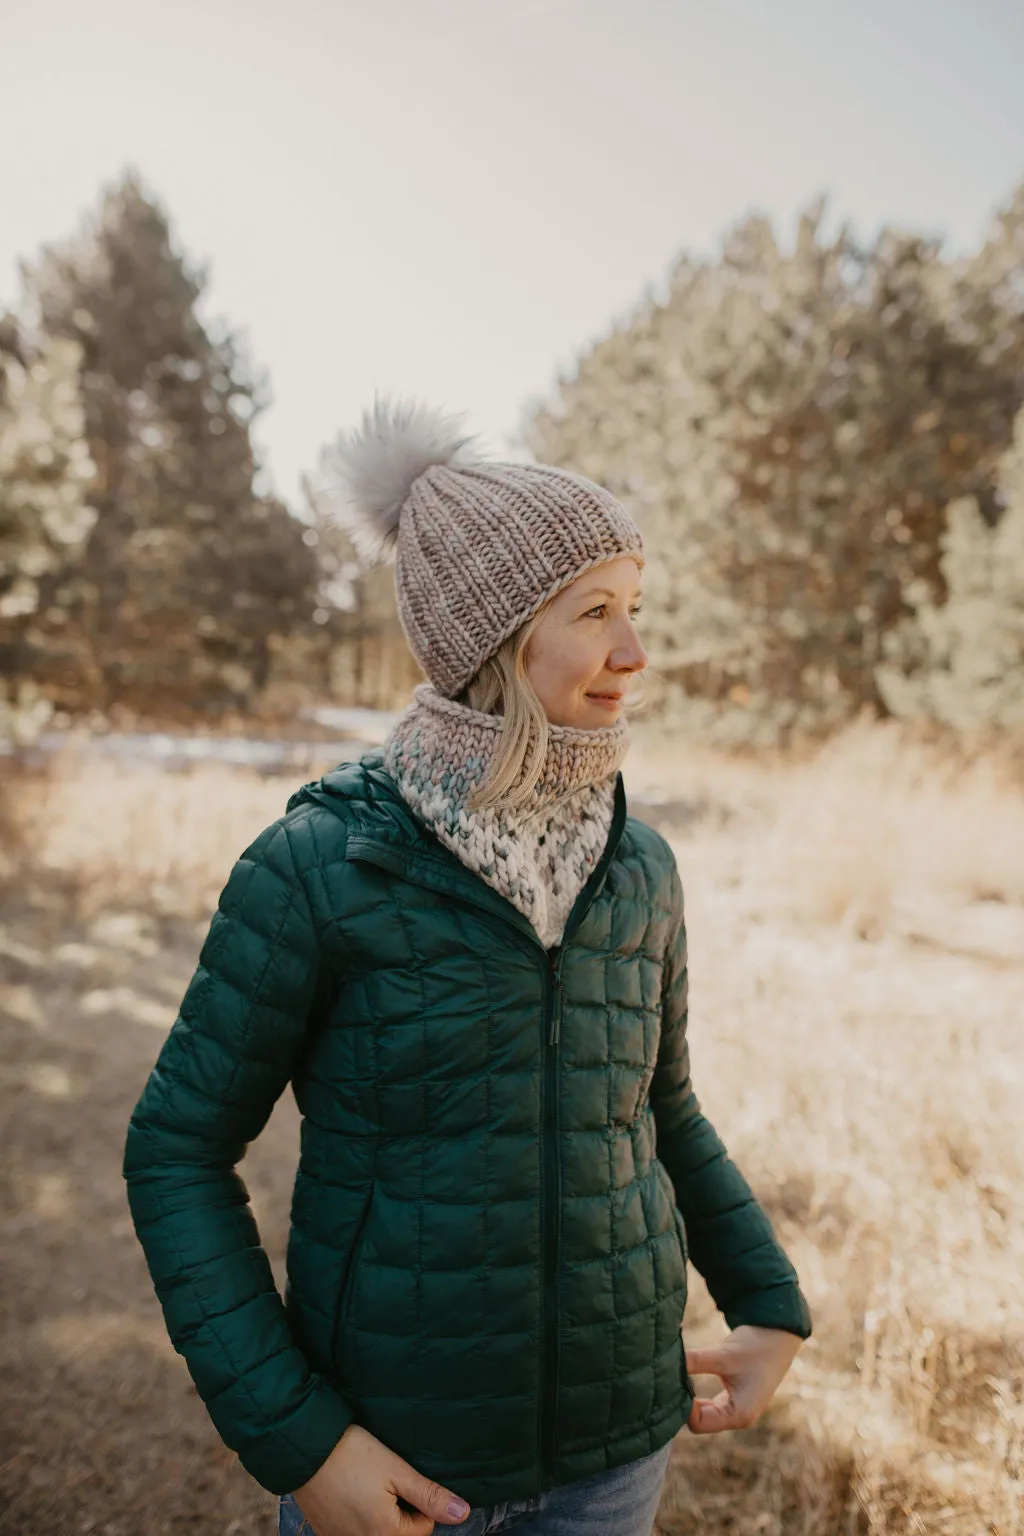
{"points": [[622, 1502]]}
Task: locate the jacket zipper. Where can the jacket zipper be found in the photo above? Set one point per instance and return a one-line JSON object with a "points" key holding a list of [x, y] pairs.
{"points": [[551, 1182], [551, 1213]]}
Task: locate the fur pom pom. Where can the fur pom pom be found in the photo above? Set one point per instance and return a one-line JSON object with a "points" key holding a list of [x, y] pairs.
{"points": [[369, 472]]}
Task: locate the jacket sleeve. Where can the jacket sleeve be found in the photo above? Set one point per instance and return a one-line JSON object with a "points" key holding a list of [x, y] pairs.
{"points": [[730, 1238], [231, 1052]]}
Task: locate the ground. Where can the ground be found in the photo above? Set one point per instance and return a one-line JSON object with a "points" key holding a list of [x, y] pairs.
{"points": [[857, 979]]}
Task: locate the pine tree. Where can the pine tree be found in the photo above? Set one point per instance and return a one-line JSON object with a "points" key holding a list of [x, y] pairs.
{"points": [[188, 573], [960, 663], [45, 514]]}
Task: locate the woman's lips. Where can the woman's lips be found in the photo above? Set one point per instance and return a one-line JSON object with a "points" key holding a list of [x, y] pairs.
{"points": [[607, 701]]}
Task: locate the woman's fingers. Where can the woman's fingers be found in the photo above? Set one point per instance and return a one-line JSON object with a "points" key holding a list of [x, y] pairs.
{"points": [[709, 1416], [750, 1364], [708, 1361]]}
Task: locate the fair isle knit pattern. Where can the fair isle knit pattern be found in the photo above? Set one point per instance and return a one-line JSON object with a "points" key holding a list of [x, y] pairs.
{"points": [[540, 853]]}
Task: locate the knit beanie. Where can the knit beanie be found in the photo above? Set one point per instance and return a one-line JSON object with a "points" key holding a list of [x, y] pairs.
{"points": [[479, 544]]}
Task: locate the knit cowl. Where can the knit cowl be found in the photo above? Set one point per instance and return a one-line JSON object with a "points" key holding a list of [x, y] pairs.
{"points": [[539, 853]]}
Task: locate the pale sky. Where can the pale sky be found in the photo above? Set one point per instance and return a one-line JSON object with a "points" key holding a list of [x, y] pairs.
{"points": [[452, 198]]}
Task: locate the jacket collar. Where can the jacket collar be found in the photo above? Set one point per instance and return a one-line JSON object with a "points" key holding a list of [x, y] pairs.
{"points": [[406, 847]]}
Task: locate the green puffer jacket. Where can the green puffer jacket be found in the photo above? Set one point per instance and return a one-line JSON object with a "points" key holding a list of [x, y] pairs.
{"points": [[487, 1257]]}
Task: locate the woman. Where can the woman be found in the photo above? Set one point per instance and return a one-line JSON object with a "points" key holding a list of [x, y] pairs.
{"points": [[471, 965]]}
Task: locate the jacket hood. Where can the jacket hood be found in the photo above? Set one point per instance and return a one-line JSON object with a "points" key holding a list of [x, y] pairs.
{"points": [[362, 782], [358, 779]]}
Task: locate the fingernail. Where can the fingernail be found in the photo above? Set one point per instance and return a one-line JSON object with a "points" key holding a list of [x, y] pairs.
{"points": [[457, 1509]]}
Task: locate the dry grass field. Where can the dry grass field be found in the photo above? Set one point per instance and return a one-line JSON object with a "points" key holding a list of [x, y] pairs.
{"points": [[857, 999]]}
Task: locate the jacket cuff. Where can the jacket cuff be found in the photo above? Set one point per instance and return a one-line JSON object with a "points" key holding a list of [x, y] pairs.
{"points": [[782, 1306], [287, 1455]]}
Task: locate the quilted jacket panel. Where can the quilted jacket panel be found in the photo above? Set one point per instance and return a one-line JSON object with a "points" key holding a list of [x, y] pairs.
{"points": [[503, 1163]]}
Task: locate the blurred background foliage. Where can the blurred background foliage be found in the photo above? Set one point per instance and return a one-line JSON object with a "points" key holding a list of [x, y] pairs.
{"points": [[793, 429], [822, 440]]}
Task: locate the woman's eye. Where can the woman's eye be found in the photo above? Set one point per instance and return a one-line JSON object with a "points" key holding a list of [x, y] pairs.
{"points": [[634, 612]]}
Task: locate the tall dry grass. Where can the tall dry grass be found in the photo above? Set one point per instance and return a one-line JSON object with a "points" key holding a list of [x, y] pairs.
{"points": [[125, 837], [857, 999], [857, 979]]}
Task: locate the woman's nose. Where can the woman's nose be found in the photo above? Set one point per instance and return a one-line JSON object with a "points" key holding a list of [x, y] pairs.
{"points": [[631, 656]]}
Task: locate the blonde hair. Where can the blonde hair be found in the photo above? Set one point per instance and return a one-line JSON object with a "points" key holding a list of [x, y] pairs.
{"points": [[502, 686]]}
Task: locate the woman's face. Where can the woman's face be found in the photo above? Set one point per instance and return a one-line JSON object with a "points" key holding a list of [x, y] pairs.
{"points": [[587, 644]]}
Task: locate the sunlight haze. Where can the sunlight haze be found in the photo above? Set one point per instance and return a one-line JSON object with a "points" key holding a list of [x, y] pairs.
{"points": [[452, 199]]}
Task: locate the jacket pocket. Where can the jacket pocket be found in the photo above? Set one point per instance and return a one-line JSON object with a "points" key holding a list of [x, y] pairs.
{"points": [[687, 1379], [348, 1285], [677, 1218], [684, 1253], [681, 1229]]}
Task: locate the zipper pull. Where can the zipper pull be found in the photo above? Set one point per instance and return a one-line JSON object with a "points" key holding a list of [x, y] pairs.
{"points": [[556, 1012]]}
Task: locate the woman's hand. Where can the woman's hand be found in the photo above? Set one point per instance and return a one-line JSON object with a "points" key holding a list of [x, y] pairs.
{"points": [[751, 1362], [355, 1493]]}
